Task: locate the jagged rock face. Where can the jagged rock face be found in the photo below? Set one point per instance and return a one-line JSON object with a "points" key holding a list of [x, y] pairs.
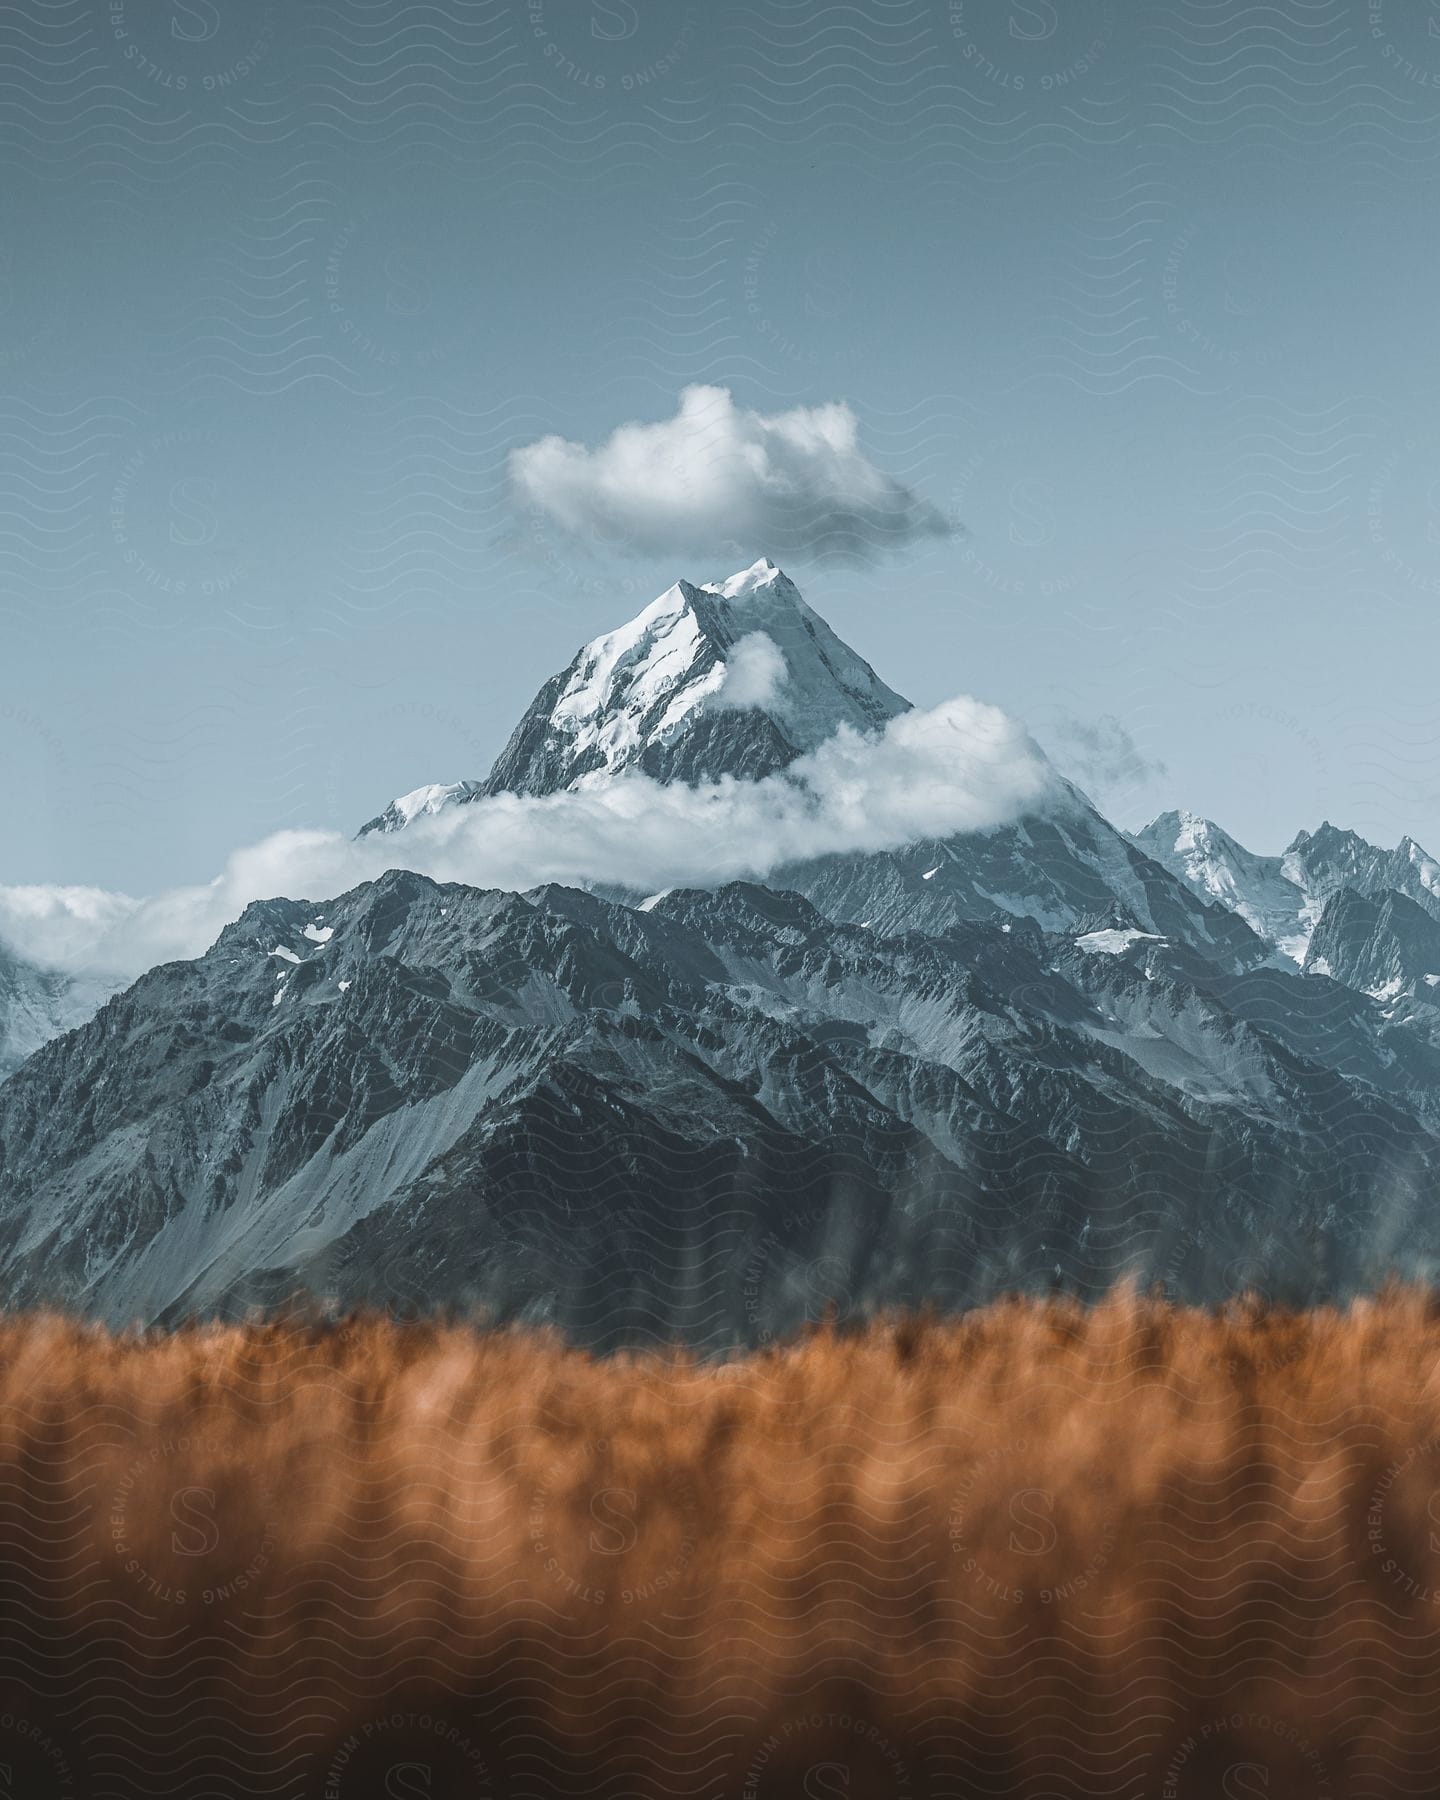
{"points": [[1221, 870], [709, 1119], [733, 678], [1324, 861], [1385, 946], [423, 803]]}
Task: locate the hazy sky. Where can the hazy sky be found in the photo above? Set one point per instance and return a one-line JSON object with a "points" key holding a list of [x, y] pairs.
{"points": [[1140, 294]]}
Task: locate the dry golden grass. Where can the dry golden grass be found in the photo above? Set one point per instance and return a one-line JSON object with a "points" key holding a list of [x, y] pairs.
{"points": [[1038, 1551]]}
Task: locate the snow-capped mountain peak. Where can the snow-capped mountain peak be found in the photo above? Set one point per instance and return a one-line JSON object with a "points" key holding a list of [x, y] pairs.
{"points": [[619, 676], [1219, 868], [734, 677], [761, 574], [746, 644]]}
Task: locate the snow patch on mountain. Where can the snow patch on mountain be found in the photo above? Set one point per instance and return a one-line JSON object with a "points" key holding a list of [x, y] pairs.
{"points": [[1112, 941], [630, 668], [762, 573]]}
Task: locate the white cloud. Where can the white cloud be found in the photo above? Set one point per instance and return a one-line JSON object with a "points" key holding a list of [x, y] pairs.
{"points": [[716, 475], [754, 673], [963, 766], [60, 927]]}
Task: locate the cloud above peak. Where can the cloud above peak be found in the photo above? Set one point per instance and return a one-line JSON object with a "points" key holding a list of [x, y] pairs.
{"points": [[717, 474]]}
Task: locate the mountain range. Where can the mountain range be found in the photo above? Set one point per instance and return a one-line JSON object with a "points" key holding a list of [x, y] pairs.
{"points": [[1282, 897], [1042, 1054]]}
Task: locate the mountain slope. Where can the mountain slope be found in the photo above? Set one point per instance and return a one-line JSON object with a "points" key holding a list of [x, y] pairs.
{"points": [[423, 802], [1027, 1056], [1065, 867], [1324, 861], [1384, 945]]}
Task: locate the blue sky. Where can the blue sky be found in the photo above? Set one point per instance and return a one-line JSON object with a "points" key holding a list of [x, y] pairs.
{"points": [[1140, 296]]}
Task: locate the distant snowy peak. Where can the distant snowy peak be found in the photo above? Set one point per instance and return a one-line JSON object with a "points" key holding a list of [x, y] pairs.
{"points": [[735, 677], [1201, 853], [1282, 897], [1324, 861], [1218, 868]]}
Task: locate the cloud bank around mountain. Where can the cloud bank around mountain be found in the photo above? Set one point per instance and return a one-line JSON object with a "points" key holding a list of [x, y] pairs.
{"points": [[61, 927], [717, 475], [961, 766]]}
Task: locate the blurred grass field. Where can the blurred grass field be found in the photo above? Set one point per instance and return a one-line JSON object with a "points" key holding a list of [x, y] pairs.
{"points": [[1040, 1550]]}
